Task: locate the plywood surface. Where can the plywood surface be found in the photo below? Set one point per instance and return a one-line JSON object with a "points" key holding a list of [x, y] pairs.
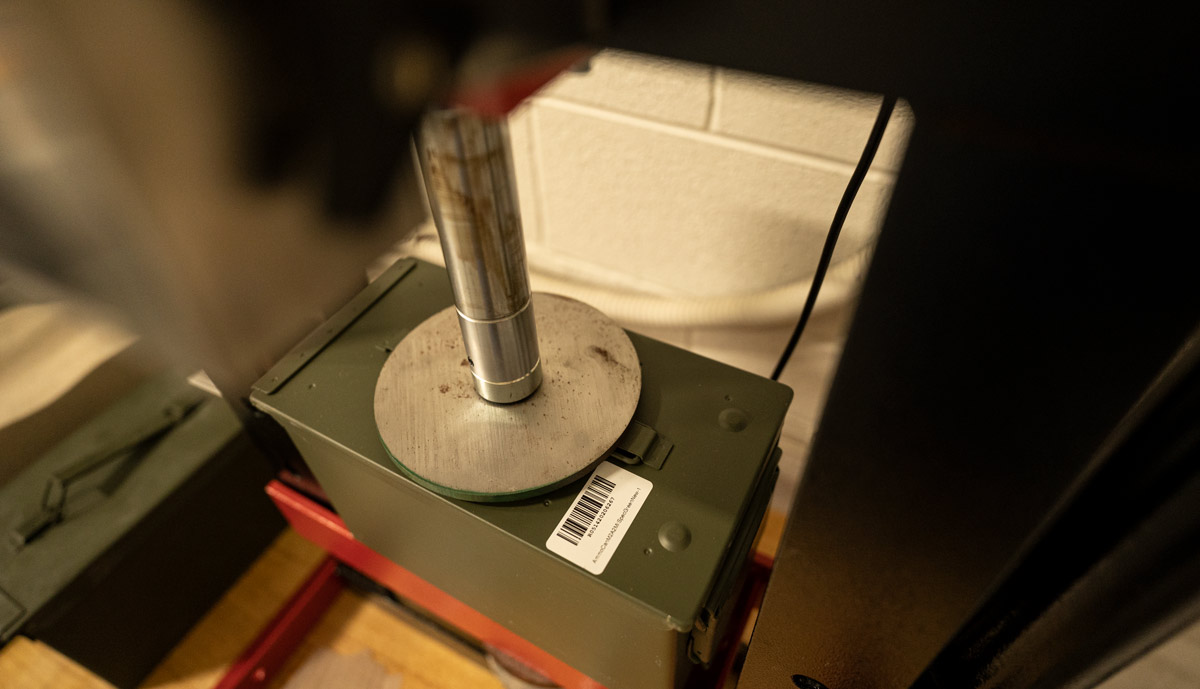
{"points": [[26, 664], [354, 624]]}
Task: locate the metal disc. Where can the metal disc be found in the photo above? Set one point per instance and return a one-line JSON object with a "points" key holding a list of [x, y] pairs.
{"points": [[443, 435]]}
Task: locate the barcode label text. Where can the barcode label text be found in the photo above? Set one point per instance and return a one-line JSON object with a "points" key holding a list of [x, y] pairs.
{"points": [[586, 509], [590, 531]]}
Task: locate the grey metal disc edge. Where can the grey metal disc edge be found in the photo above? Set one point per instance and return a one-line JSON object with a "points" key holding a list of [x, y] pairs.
{"points": [[512, 496], [488, 497]]}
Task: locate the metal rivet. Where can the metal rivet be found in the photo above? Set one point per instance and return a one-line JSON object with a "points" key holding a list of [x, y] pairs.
{"points": [[733, 419], [674, 536]]}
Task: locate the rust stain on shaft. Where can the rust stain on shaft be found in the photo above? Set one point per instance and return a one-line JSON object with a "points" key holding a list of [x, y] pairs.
{"points": [[484, 228]]}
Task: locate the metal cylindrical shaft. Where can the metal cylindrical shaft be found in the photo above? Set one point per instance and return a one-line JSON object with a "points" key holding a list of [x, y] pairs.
{"points": [[468, 172]]}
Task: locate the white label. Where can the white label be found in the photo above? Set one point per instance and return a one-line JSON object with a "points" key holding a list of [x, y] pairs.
{"points": [[593, 527]]}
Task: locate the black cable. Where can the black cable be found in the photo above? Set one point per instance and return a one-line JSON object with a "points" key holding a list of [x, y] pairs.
{"points": [[839, 218]]}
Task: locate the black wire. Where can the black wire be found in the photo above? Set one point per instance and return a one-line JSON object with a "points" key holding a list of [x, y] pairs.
{"points": [[839, 218]]}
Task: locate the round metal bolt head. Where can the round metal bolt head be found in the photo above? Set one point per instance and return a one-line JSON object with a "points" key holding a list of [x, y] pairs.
{"points": [[674, 536], [733, 419]]}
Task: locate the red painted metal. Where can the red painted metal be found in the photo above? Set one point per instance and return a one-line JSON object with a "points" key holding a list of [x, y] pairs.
{"points": [[326, 529], [270, 650], [499, 95]]}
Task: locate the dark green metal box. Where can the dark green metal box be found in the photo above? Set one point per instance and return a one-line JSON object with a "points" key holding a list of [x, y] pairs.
{"points": [[651, 615]]}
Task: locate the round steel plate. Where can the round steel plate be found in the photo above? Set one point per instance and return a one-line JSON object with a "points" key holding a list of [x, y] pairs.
{"points": [[443, 435]]}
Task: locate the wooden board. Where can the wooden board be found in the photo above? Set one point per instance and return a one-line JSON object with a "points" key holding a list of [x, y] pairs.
{"points": [[26, 664]]}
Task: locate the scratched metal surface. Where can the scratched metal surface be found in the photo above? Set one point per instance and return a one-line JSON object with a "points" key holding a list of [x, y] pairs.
{"points": [[449, 439]]}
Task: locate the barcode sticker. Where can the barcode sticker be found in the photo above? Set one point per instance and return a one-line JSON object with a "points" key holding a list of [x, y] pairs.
{"points": [[597, 520]]}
